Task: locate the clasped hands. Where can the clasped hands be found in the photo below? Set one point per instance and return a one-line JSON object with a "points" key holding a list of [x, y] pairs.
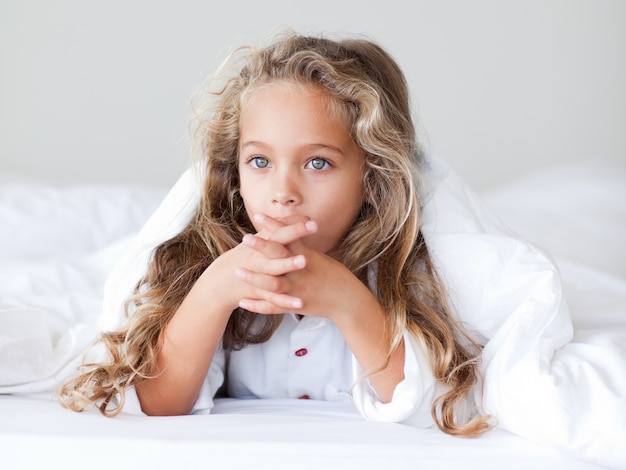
{"points": [[277, 273]]}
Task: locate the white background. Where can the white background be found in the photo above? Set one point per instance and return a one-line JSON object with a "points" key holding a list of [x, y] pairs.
{"points": [[95, 91]]}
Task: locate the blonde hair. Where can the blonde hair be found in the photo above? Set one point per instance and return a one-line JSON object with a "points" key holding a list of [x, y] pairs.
{"points": [[370, 90]]}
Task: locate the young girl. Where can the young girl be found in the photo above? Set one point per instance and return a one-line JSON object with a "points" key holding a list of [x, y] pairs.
{"points": [[302, 271]]}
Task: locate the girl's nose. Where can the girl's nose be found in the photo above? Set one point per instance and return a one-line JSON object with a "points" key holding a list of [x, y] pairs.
{"points": [[285, 190]]}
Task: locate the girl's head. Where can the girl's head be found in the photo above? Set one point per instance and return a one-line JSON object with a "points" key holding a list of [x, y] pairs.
{"points": [[297, 159], [356, 96]]}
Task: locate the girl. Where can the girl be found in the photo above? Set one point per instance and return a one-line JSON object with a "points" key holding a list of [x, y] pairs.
{"points": [[302, 271]]}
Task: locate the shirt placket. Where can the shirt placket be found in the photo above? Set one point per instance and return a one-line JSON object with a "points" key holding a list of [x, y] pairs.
{"points": [[306, 350]]}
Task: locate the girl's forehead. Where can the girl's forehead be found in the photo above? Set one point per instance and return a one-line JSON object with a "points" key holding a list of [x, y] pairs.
{"points": [[333, 106], [281, 86]]}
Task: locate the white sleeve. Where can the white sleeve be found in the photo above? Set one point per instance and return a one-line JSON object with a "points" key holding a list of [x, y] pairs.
{"points": [[412, 398]]}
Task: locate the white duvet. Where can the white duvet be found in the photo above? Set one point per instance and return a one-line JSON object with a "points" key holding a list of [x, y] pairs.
{"points": [[555, 359]]}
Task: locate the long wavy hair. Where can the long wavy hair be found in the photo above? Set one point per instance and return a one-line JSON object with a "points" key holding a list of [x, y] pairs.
{"points": [[370, 91]]}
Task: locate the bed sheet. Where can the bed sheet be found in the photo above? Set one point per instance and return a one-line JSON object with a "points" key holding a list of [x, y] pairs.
{"points": [[272, 434], [58, 245]]}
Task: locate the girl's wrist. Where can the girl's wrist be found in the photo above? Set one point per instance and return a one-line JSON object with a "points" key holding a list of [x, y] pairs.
{"points": [[213, 298], [361, 307]]}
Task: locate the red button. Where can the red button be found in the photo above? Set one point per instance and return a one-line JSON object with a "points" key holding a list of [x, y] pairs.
{"points": [[301, 352], [304, 397]]}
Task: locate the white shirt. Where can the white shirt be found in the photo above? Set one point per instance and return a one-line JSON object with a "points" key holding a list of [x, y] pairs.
{"points": [[305, 358], [309, 358]]}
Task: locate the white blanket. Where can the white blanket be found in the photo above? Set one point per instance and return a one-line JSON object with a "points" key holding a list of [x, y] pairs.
{"points": [[545, 381]]}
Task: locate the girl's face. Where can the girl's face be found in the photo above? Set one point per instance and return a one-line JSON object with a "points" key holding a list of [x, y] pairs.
{"points": [[296, 158]]}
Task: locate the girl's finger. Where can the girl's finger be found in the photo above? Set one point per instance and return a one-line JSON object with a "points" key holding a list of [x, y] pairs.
{"points": [[286, 233], [275, 266], [268, 293], [263, 282], [284, 304], [270, 249], [268, 222]]}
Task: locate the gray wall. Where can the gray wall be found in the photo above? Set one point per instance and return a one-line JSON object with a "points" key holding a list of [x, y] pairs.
{"points": [[100, 91]]}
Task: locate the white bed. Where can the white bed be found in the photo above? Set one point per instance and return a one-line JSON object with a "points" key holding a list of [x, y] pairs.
{"points": [[59, 243], [251, 434]]}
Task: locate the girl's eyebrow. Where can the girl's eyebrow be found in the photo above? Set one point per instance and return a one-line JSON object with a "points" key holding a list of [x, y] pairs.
{"points": [[320, 146], [310, 147], [253, 143]]}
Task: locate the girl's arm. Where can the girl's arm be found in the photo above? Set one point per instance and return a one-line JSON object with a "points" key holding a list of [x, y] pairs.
{"points": [[193, 335], [189, 343], [363, 328]]}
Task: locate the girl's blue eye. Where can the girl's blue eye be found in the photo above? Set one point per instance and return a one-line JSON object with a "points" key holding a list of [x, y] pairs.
{"points": [[259, 162], [318, 163]]}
